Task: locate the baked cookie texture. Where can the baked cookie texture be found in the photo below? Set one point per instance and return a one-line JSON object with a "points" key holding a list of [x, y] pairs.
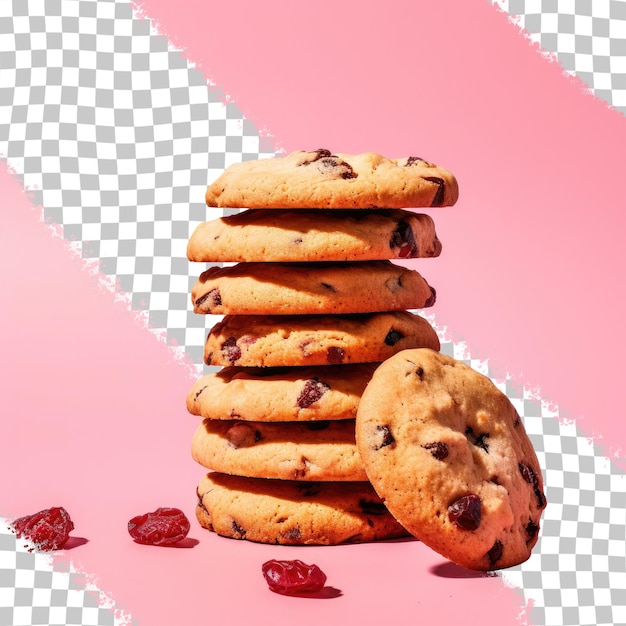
{"points": [[275, 235], [319, 179], [295, 340], [280, 394], [310, 288], [448, 453], [310, 451], [293, 512]]}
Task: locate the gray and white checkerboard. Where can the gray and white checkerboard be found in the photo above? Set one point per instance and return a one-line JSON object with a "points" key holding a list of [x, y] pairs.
{"points": [[115, 134]]}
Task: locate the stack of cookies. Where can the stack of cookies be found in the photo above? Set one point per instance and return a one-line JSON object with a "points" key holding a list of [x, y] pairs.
{"points": [[312, 303], [333, 417]]}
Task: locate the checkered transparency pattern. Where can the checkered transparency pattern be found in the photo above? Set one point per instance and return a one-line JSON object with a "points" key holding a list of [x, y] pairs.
{"points": [[116, 136], [32, 591], [587, 37]]}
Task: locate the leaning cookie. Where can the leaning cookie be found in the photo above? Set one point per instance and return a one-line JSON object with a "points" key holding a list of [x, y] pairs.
{"points": [[295, 340], [311, 451], [275, 235], [447, 452], [309, 289], [318, 179], [292, 512], [291, 394]]}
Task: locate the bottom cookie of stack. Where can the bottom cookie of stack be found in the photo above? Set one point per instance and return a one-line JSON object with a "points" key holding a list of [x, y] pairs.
{"points": [[293, 512]]}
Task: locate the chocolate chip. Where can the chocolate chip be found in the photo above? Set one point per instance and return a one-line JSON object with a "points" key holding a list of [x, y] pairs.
{"points": [[313, 390], [439, 196], [477, 440], [372, 508], [335, 355], [419, 372], [393, 336], [466, 512], [404, 239], [438, 449], [329, 287], [383, 437], [495, 554], [230, 350]]}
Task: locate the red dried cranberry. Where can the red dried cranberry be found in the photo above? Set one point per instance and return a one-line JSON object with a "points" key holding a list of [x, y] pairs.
{"points": [[313, 390], [465, 512], [163, 527], [293, 577], [48, 529]]}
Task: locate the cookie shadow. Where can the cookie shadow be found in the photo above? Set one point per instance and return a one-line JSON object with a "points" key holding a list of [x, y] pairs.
{"points": [[448, 569], [325, 594], [74, 542]]}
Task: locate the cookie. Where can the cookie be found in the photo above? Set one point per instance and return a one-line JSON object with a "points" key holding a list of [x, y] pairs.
{"points": [[276, 235], [285, 340], [292, 512], [318, 179], [280, 395], [447, 452], [310, 451], [309, 289]]}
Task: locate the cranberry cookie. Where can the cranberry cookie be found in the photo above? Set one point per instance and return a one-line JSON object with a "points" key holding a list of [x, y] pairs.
{"points": [[309, 289], [280, 394], [324, 451], [448, 453], [295, 340], [276, 235], [318, 179], [293, 512]]}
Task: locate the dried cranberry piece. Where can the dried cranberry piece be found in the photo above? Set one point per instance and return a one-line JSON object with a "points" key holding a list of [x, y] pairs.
{"points": [[214, 295], [231, 350], [313, 390], [495, 554], [293, 577], [163, 527], [477, 440], [383, 437], [404, 239], [465, 512], [432, 299], [48, 529], [528, 474], [335, 355]]}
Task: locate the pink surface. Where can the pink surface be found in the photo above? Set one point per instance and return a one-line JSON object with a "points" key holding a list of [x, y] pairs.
{"points": [[531, 271], [530, 278], [95, 421]]}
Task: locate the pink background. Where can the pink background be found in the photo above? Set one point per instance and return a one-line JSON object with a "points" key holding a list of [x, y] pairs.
{"points": [[530, 277]]}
